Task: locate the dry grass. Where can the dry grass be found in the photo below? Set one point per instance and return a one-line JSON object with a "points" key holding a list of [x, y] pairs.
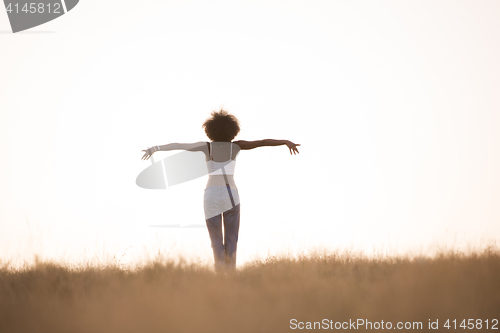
{"points": [[260, 297]]}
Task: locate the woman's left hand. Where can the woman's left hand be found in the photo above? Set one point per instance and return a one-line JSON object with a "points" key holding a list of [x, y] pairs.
{"points": [[148, 153]]}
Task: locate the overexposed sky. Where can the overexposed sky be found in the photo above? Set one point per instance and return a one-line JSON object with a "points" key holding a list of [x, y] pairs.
{"points": [[395, 105]]}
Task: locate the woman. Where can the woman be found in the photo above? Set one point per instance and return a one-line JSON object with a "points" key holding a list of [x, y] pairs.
{"points": [[221, 198]]}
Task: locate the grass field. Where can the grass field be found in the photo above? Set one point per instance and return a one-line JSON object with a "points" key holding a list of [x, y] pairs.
{"points": [[274, 295]]}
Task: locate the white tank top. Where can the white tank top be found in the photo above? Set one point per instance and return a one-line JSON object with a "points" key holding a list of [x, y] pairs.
{"points": [[215, 168]]}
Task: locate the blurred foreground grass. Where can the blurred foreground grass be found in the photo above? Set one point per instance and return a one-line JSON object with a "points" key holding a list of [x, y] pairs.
{"points": [[262, 296]]}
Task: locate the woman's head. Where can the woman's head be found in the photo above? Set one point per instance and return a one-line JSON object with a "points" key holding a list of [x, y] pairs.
{"points": [[221, 126]]}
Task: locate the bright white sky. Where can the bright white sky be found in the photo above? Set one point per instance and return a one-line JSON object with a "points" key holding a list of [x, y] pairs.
{"points": [[395, 105]]}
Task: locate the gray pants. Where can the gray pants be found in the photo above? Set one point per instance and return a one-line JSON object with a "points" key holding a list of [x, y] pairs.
{"points": [[226, 201]]}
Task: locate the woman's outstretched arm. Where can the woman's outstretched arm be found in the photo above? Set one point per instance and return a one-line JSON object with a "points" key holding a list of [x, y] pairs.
{"points": [[197, 146], [245, 145]]}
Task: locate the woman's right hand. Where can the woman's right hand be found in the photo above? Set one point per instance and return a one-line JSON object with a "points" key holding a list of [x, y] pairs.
{"points": [[292, 146]]}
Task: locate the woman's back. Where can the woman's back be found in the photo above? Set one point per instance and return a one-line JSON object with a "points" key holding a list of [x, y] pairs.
{"points": [[222, 151], [221, 163]]}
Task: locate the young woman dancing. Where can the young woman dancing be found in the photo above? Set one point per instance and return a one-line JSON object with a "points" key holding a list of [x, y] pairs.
{"points": [[221, 198]]}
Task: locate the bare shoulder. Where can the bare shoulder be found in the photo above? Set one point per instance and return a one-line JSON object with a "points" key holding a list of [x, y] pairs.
{"points": [[238, 145]]}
